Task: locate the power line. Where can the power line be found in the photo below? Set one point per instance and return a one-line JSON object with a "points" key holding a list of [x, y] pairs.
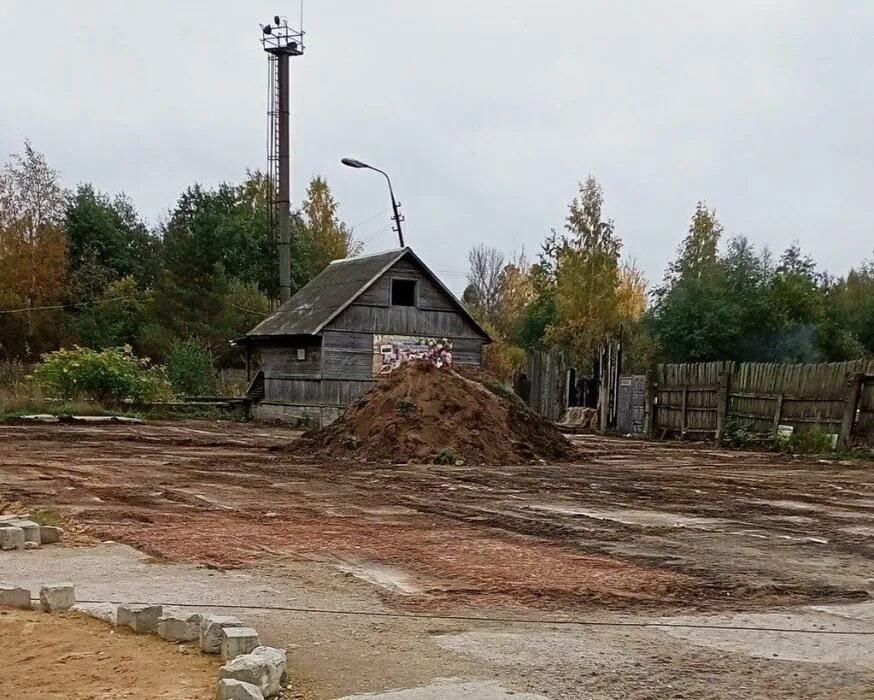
{"points": [[380, 232], [53, 306], [369, 219], [478, 618]]}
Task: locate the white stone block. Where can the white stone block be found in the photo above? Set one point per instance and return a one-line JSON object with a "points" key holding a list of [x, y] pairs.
{"points": [[238, 641], [230, 689], [49, 534], [143, 619], [31, 529], [179, 627], [11, 538], [14, 597], [211, 635], [107, 612], [56, 597], [122, 615], [31, 545], [265, 667]]}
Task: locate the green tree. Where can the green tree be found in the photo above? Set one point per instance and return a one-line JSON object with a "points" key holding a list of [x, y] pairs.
{"points": [[698, 251], [691, 320]]}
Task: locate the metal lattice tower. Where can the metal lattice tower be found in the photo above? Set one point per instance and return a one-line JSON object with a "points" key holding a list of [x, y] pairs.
{"points": [[280, 42]]}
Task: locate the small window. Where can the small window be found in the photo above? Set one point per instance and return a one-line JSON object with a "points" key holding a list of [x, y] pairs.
{"points": [[301, 354], [403, 292]]}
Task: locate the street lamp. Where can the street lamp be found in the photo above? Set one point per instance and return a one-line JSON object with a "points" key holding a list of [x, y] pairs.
{"points": [[352, 163]]}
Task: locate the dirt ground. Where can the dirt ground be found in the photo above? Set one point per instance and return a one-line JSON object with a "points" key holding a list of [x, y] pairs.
{"points": [[630, 532], [48, 657]]}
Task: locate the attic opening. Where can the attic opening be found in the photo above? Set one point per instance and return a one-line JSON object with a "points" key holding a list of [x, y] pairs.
{"points": [[403, 292]]}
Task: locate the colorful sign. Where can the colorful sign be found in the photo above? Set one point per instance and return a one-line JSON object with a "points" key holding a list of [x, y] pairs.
{"points": [[391, 351]]}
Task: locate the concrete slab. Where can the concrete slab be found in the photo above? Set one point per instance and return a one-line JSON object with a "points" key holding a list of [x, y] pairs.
{"points": [[451, 689]]}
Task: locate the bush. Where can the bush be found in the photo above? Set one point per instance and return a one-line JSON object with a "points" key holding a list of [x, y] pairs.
{"points": [[113, 374], [446, 456], [191, 369], [736, 433], [809, 441]]}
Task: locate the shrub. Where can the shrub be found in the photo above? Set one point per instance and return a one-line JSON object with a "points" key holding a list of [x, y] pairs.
{"points": [[809, 441], [190, 368], [737, 434], [406, 406], [446, 456], [113, 374]]}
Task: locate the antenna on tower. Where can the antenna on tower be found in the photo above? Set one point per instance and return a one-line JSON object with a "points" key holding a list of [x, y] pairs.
{"points": [[280, 42]]}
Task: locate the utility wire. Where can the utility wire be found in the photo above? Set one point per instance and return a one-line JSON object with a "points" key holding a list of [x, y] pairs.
{"points": [[478, 618], [53, 306], [368, 220]]}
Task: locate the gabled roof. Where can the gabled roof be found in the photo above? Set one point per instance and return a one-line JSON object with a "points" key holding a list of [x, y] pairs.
{"points": [[328, 294]]}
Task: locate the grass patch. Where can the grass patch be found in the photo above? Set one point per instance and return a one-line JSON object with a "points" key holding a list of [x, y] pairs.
{"points": [[47, 517], [499, 390]]}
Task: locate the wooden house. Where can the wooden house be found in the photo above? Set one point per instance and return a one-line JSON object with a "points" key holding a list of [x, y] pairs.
{"points": [[356, 320]]}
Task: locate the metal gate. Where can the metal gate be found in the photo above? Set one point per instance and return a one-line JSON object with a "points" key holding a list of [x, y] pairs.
{"points": [[630, 404]]}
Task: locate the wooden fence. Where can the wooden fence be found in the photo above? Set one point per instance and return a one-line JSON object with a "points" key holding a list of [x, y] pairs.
{"points": [[698, 399]]}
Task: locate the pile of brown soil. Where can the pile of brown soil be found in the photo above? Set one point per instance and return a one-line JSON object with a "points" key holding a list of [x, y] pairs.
{"points": [[424, 414]]}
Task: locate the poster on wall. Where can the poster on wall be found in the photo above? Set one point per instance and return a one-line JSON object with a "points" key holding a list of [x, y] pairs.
{"points": [[391, 351]]}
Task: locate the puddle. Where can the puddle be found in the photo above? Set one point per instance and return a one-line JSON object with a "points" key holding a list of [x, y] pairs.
{"points": [[382, 575], [646, 518], [782, 646], [859, 530], [390, 510]]}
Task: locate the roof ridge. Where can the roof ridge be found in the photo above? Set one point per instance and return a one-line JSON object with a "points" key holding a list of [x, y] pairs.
{"points": [[370, 255]]}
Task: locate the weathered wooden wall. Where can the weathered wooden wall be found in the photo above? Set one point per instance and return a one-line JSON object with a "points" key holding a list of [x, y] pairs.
{"points": [[697, 399]]}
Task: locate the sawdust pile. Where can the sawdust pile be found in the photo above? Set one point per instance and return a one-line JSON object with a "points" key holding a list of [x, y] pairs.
{"points": [[423, 414]]}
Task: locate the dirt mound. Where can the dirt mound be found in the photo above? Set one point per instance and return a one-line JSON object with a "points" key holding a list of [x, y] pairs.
{"points": [[424, 414]]}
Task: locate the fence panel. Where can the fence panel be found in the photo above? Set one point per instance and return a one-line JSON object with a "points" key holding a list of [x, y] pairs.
{"points": [[687, 398], [693, 399]]}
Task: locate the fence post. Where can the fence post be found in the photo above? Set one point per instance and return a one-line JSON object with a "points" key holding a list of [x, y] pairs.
{"points": [[649, 415], [604, 393], [683, 422], [778, 412], [854, 390], [721, 404]]}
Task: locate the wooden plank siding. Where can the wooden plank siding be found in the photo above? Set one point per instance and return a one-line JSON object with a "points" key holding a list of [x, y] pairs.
{"points": [[404, 320], [428, 295]]}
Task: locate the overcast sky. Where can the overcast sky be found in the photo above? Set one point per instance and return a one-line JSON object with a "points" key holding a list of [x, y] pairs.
{"points": [[486, 113]]}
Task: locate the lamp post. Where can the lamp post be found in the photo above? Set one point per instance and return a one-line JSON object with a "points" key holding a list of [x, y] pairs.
{"points": [[352, 163]]}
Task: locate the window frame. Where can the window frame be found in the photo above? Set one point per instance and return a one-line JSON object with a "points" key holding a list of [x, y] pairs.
{"points": [[391, 292]]}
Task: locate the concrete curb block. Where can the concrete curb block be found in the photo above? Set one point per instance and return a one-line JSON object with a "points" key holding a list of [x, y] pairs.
{"points": [[15, 597], [251, 671], [57, 597]]}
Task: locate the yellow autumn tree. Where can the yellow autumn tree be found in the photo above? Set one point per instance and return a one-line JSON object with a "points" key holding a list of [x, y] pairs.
{"points": [[33, 255], [594, 292]]}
